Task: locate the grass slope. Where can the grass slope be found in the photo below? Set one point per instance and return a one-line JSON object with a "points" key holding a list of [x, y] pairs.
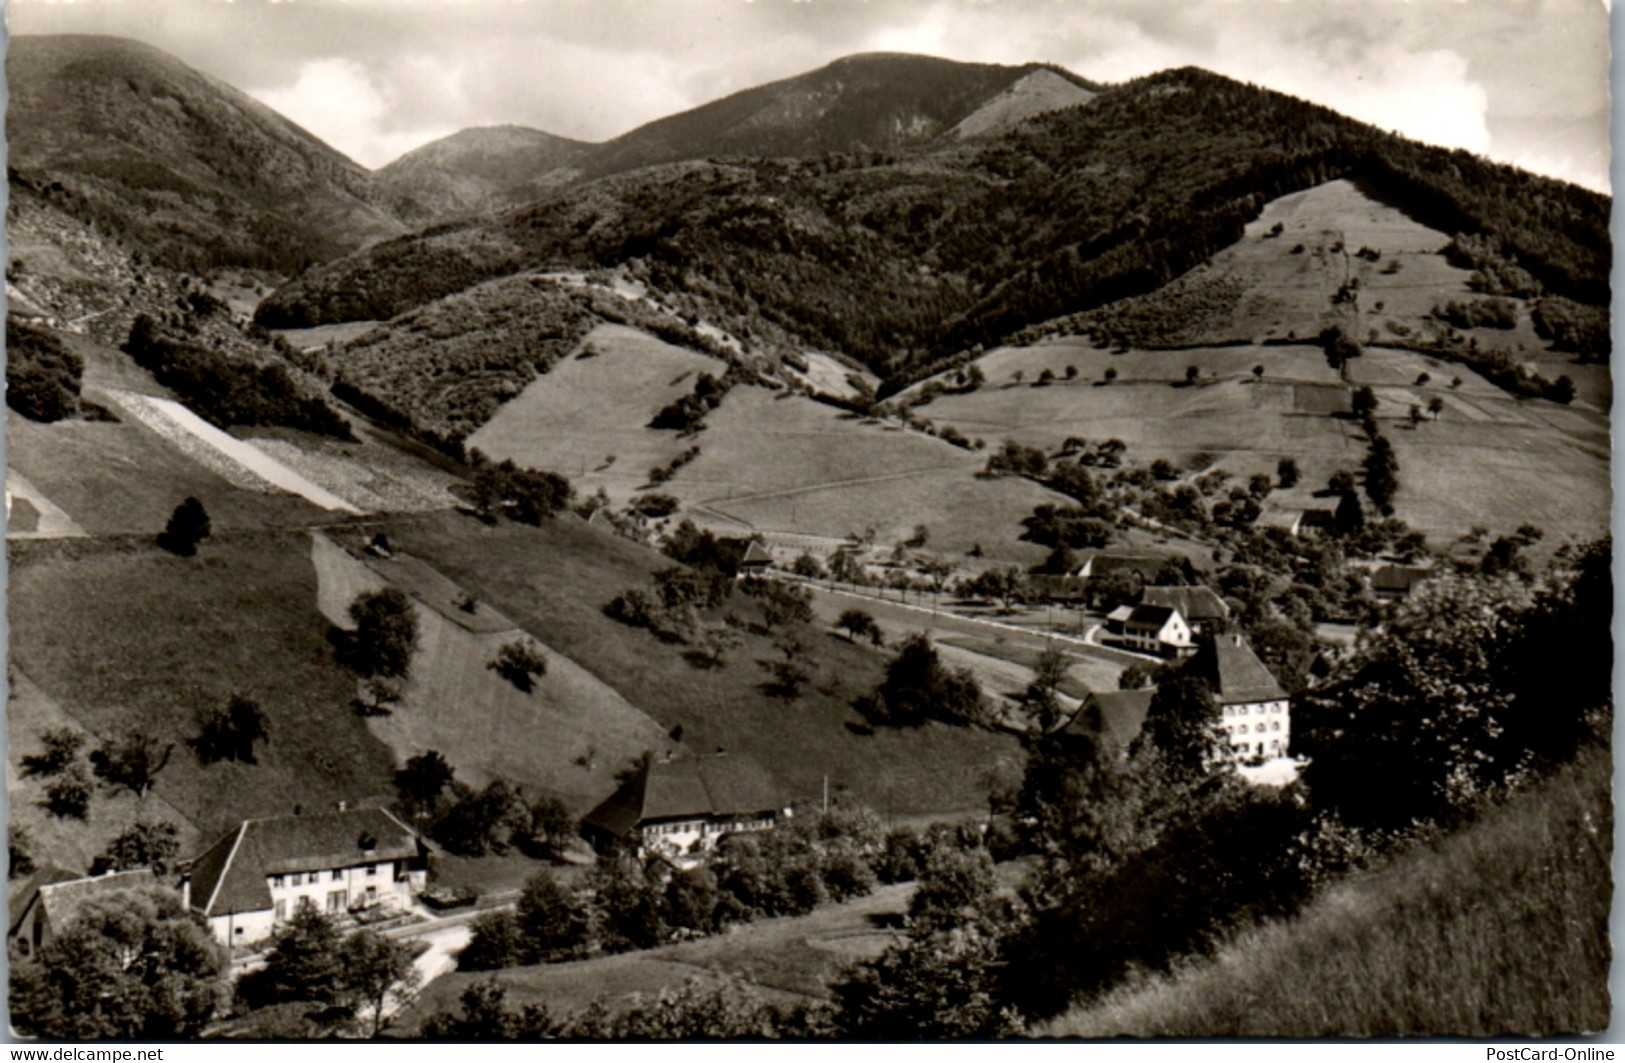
{"points": [[572, 731], [123, 635], [554, 580], [587, 409], [69, 844], [1501, 930], [1489, 459]]}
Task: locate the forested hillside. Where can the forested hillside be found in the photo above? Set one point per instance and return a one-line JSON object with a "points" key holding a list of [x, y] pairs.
{"points": [[901, 258], [120, 135]]}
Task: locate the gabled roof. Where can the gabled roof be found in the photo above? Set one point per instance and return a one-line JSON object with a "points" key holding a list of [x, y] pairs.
{"points": [[230, 875], [1194, 603], [22, 895], [1116, 715], [1146, 566], [1151, 616], [686, 788], [1398, 577], [1121, 613], [1235, 673], [61, 901], [756, 554]]}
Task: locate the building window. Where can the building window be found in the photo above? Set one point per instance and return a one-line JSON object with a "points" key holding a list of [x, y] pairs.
{"points": [[338, 875], [238, 931], [372, 870], [281, 911], [306, 904], [296, 879], [372, 894], [338, 900], [276, 882]]}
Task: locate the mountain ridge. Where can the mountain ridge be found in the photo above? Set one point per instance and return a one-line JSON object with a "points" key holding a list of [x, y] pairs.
{"points": [[197, 170]]}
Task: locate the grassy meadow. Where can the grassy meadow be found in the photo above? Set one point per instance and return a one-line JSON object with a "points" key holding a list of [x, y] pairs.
{"points": [[124, 636], [554, 581]]}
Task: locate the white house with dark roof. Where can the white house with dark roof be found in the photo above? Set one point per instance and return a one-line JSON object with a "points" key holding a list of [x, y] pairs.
{"points": [[1200, 607], [1157, 629], [1257, 713], [679, 807], [256, 877]]}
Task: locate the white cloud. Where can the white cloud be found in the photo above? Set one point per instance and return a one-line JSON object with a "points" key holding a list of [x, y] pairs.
{"points": [[340, 102]]}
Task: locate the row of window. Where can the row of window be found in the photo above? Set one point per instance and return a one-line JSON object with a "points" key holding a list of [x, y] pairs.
{"points": [[300, 878], [337, 902], [1243, 710], [1260, 728]]}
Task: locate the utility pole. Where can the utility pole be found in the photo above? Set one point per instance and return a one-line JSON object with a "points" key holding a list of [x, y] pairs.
{"points": [[826, 795]]}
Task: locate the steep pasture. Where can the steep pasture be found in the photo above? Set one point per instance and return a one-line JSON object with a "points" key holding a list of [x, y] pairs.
{"points": [[124, 636], [1500, 930], [553, 582], [68, 843], [567, 736], [116, 478], [587, 408]]}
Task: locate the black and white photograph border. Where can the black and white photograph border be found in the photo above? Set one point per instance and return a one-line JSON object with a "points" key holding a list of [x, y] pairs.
{"points": [[810, 521]]}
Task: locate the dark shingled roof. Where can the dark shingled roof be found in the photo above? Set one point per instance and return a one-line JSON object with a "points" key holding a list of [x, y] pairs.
{"points": [[687, 787], [22, 895], [1151, 616], [61, 901], [1116, 715], [756, 554], [1398, 577], [1146, 566], [1194, 603], [1236, 674], [230, 875]]}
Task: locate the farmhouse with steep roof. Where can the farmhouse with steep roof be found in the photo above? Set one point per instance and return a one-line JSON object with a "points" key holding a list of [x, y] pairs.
{"points": [[1157, 629], [679, 807], [1256, 711], [260, 874], [1199, 605]]}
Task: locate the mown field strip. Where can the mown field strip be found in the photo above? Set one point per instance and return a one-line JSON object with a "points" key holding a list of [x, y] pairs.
{"points": [[240, 463]]}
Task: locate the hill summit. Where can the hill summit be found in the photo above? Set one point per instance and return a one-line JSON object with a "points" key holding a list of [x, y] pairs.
{"points": [[126, 136]]}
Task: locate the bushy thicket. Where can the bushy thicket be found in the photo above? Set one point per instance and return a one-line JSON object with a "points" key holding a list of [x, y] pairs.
{"points": [[42, 376], [631, 903], [225, 390]]}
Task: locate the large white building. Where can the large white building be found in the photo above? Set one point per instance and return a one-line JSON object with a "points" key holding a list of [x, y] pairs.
{"points": [[1257, 713], [256, 877]]}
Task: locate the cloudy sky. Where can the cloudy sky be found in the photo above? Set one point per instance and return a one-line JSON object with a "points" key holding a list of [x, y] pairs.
{"points": [[1522, 81]]}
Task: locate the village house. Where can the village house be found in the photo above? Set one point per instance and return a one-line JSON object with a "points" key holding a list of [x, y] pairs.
{"points": [[257, 876], [1200, 607], [1157, 629], [1256, 712], [51, 897], [1115, 715], [1143, 567], [755, 559], [1295, 521], [1394, 582], [679, 807]]}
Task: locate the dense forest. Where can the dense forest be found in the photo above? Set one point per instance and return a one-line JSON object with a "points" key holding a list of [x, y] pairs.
{"points": [[909, 257]]}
